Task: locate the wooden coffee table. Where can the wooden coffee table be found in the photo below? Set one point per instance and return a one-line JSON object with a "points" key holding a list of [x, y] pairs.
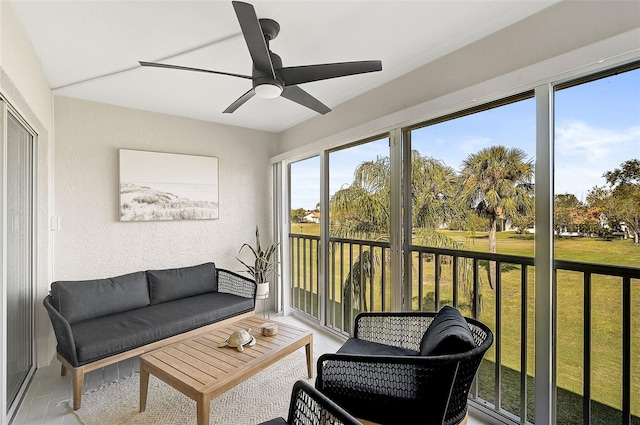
{"points": [[200, 370]]}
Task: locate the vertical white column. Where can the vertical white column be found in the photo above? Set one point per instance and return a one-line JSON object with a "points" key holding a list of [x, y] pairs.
{"points": [[280, 227], [544, 365], [323, 279], [395, 216], [3, 263]]}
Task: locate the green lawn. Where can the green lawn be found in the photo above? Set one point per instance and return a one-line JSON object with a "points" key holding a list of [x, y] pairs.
{"points": [[606, 316]]}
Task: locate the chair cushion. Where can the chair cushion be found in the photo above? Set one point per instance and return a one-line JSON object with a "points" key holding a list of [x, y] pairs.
{"points": [[448, 333], [172, 284], [88, 299], [363, 347], [108, 335]]}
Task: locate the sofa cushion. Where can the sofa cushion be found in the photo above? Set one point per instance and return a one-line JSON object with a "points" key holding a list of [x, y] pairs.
{"points": [[88, 299], [108, 335], [448, 333], [172, 284], [363, 347]]}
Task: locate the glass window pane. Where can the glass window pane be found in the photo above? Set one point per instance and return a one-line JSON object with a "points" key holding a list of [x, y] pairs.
{"points": [[359, 207], [19, 254], [304, 239], [596, 221], [472, 190]]}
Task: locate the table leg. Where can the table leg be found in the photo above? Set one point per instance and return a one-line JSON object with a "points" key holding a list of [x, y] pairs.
{"points": [[204, 407], [144, 386], [309, 350]]}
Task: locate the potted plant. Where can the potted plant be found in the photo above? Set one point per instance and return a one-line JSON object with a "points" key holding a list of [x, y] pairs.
{"points": [[264, 262]]}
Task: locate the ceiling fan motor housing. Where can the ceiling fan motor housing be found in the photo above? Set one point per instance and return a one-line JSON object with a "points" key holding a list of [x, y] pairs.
{"points": [[270, 28], [263, 82]]}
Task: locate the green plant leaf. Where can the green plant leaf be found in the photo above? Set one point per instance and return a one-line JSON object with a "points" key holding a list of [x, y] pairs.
{"points": [[263, 260]]}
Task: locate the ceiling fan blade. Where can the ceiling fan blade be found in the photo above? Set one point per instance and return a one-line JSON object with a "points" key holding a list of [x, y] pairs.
{"points": [[300, 96], [305, 74], [252, 32], [186, 68], [239, 102]]}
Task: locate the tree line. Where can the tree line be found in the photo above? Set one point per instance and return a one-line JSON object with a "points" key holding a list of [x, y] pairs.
{"points": [[494, 186], [613, 208]]}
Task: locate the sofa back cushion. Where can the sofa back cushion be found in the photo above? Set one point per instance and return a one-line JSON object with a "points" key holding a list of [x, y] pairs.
{"points": [[172, 284], [88, 299], [448, 333]]}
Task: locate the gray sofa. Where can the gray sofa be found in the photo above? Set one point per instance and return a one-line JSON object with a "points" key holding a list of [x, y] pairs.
{"points": [[103, 321]]}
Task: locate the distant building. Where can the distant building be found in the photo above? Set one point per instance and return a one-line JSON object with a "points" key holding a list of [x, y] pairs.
{"points": [[312, 217]]}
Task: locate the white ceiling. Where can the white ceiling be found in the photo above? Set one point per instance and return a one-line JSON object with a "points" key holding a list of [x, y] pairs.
{"points": [[90, 49]]}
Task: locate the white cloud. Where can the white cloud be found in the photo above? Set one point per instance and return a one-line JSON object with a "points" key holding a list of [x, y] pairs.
{"points": [[475, 144], [592, 144], [584, 152]]}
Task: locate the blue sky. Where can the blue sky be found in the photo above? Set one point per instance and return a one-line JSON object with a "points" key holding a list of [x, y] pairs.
{"points": [[597, 127]]}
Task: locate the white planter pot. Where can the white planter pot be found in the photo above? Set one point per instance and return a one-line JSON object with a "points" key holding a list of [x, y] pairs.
{"points": [[262, 291]]}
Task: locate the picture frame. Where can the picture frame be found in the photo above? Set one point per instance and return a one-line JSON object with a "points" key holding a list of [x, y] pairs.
{"points": [[158, 186]]}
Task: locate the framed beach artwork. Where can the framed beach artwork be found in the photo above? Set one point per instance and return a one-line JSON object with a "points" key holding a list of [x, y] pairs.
{"points": [[164, 186]]}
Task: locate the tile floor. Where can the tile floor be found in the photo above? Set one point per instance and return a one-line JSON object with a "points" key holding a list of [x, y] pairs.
{"points": [[45, 401]]}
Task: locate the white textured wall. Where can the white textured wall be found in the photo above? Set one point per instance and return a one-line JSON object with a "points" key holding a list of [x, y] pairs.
{"points": [[20, 63], [93, 243]]}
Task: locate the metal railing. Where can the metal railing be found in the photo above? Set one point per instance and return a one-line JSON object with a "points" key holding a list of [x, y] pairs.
{"points": [[358, 280], [304, 251]]}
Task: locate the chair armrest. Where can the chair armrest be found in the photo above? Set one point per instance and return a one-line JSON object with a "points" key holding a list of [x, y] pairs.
{"points": [[310, 406], [399, 329], [235, 284], [66, 344]]}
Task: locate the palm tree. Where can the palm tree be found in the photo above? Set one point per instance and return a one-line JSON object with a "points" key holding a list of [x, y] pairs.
{"points": [[361, 211], [498, 184], [435, 193]]}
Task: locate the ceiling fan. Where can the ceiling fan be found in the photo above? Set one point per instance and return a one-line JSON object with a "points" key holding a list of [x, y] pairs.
{"points": [[270, 79]]}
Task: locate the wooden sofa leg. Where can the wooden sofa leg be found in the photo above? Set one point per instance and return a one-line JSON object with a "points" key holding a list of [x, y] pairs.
{"points": [[63, 370], [77, 375]]}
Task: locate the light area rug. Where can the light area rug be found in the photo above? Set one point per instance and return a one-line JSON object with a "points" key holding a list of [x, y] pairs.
{"points": [[262, 397]]}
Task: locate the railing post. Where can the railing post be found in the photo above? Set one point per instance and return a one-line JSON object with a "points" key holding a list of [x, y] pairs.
{"points": [[586, 381], [476, 289], [626, 351], [455, 282], [497, 340], [420, 282], [437, 278], [524, 331]]}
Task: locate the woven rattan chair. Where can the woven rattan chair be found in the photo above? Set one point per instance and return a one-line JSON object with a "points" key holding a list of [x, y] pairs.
{"points": [[308, 406], [379, 374]]}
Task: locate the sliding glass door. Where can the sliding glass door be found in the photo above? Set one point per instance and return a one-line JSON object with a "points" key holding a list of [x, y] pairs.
{"points": [[357, 216], [597, 248], [304, 235], [359, 231], [18, 147], [473, 234]]}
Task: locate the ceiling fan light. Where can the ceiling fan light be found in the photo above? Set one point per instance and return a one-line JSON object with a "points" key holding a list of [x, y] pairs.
{"points": [[268, 91]]}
